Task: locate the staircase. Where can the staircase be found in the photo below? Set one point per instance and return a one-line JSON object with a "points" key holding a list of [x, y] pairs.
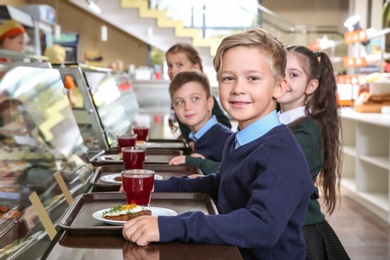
{"points": [[153, 27]]}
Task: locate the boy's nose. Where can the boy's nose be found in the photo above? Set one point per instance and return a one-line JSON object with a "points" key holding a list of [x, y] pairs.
{"points": [[187, 105], [238, 88]]}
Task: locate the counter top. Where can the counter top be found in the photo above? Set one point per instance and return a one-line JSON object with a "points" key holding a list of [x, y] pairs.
{"points": [[371, 118], [86, 238], [116, 247]]}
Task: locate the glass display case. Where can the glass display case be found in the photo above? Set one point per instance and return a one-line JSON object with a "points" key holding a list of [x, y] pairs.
{"points": [[39, 138], [105, 111]]}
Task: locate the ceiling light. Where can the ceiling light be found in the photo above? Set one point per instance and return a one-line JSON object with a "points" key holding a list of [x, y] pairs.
{"points": [[94, 7], [104, 33]]}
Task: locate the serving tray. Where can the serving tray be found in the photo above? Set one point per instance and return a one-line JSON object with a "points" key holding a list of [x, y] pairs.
{"points": [[78, 218], [180, 144], [152, 156], [163, 170], [116, 247]]}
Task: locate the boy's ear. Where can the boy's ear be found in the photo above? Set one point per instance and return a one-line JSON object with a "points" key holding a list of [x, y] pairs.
{"points": [[311, 87], [210, 103], [280, 88], [196, 66]]}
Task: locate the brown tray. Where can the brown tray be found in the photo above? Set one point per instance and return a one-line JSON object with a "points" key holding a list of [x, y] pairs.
{"points": [[152, 156], [163, 170], [78, 218], [116, 247], [180, 144]]}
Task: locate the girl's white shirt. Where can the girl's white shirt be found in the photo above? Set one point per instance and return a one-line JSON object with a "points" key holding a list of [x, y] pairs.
{"points": [[291, 115]]}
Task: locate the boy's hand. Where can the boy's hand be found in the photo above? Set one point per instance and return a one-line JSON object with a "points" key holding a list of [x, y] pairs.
{"points": [[142, 230], [121, 189], [181, 159]]}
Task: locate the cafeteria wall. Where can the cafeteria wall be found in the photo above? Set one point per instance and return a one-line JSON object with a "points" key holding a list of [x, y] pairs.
{"points": [[313, 13], [120, 45]]}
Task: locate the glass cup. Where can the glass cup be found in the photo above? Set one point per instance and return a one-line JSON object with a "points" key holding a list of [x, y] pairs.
{"points": [[125, 140], [133, 157], [142, 132], [138, 185]]}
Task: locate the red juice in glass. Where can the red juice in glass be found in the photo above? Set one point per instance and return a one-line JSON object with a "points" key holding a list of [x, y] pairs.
{"points": [[126, 140], [133, 157], [142, 132], [138, 185]]}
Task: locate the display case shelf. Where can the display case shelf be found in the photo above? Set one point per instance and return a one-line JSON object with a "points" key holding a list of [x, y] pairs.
{"points": [[350, 150], [349, 183], [382, 161], [366, 164]]}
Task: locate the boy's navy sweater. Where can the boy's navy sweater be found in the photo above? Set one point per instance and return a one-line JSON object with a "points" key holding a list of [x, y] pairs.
{"points": [[211, 144], [261, 191]]}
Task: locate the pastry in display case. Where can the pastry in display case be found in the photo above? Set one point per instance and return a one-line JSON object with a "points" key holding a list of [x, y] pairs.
{"points": [[104, 111], [39, 138]]}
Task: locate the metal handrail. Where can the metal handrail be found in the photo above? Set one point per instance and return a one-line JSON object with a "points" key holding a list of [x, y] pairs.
{"points": [[17, 56], [298, 28]]}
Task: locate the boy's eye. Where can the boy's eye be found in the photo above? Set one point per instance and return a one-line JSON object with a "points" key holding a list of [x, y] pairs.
{"points": [[293, 75], [179, 102], [227, 78], [253, 78], [195, 98]]}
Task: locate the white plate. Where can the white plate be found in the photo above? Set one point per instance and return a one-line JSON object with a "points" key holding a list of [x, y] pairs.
{"points": [[111, 178], [115, 158], [156, 211]]}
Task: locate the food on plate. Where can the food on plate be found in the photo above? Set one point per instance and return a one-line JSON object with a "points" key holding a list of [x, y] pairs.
{"points": [[118, 178], [6, 213], [13, 247], [3, 209], [11, 214], [126, 212]]}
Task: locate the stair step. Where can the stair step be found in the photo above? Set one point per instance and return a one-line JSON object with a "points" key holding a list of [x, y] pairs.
{"points": [[164, 22]]}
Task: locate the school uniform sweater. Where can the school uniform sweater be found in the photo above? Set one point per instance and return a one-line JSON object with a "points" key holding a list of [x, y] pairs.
{"points": [[307, 132], [211, 143], [262, 193]]}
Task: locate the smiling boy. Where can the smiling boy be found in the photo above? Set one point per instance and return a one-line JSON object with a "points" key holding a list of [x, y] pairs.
{"points": [[263, 186]]}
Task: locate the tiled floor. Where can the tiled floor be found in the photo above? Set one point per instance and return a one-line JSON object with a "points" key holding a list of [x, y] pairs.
{"points": [[364, 235]]}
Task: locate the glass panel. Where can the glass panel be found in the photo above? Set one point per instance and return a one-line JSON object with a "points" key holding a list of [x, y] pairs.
{"points": [[105, 110], [39, 137], [237, 16]]}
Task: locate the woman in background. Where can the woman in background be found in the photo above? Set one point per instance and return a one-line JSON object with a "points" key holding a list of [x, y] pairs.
{"points": [[13, 37]]}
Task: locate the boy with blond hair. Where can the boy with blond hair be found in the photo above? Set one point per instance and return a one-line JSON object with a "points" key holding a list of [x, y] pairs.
{"points": [[264, 185]]}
